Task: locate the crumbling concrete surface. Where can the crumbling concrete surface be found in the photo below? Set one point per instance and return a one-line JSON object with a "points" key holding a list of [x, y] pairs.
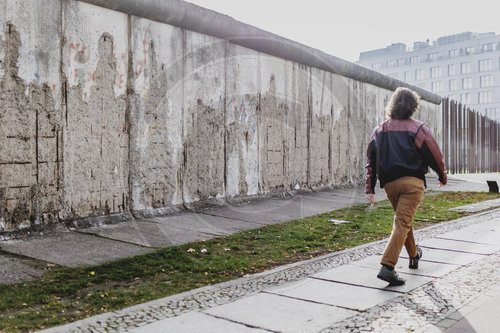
{"points": [[30, 136], [96, 144], [95, 64]]}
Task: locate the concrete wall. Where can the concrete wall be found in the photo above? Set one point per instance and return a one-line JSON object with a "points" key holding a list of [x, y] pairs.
{"points": [[95, 134], [104, 113], [30, 113]]}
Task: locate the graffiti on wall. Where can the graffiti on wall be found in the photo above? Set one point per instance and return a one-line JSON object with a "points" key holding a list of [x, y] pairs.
{"points": [[82, 62], [141, 66]]}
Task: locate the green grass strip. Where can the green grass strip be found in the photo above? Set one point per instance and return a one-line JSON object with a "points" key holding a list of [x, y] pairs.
{"points": [[68, 294]]}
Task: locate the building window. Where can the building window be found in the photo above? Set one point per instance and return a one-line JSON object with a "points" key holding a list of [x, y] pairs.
{"points": [[419, 74], [484, 97], [452, 85], [485, 65], [435, 72], [453, 53], [453, 97], [465, 98], [433, 56], [451, 69], [468, 50], [377, 65], [401, 62], [466, 83], [487, 47], [486, 81], [414, 60], [490, 112], [392, 63], [407, 76], [436, 86], [465, 68]]}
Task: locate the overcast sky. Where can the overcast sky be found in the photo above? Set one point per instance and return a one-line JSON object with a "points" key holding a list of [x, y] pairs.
{"points": [[347, 27]]}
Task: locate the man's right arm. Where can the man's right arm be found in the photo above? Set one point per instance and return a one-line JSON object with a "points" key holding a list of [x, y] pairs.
{"points": [[429, 148]]}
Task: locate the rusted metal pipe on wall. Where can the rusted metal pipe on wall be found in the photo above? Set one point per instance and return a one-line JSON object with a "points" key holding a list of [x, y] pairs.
{"points": [[192, 17]]}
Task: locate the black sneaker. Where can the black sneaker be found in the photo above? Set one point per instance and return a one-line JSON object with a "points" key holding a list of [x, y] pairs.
{"points": [[390, 276], [414, 261]]}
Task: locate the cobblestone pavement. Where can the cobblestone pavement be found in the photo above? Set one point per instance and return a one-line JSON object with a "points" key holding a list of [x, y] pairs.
{"points": [[426, 307], [417, 310]]}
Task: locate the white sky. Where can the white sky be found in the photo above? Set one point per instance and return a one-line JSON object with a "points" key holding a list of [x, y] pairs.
{"points": [[344, 28]]}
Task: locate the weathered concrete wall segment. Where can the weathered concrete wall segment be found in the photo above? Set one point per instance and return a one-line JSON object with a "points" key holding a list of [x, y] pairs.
{"points": [[30, 127], [95, 144], [105, 113]]}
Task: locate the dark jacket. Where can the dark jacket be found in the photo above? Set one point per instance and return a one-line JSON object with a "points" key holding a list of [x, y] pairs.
{"points": [[400, 148]]}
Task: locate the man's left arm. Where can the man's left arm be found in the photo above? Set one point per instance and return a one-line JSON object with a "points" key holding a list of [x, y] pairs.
{"points": [[371, 165]]}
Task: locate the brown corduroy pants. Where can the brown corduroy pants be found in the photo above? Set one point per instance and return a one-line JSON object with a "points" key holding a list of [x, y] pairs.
{"points": [[405, 194]]}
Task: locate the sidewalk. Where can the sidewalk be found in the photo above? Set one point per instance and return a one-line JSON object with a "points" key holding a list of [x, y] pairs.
{"points": [[28, 258], [458, 279]]}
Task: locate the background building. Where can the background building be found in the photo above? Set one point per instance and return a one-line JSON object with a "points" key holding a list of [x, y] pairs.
{"points": [[464, 67]]}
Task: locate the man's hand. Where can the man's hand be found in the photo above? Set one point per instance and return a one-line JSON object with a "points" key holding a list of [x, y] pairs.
{"points": [[371, 198], [440, 184]]}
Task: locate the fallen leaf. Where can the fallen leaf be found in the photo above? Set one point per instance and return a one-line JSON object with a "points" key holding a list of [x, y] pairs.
{"points": [[190, 250]]}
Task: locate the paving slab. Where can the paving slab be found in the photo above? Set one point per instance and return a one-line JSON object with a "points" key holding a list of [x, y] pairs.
{"points": [[72, 249], [195, 322], [429, 269], [204, 223], [478, 206], [456, 245], [333, 293], [275, 210], [288, 315], [493, 224], [349, 195], [367, 277], [13, 270], [489, 236], [444, 256], [463, 182], [261, 211], [147, 233], [301, 205], [484, 318]]}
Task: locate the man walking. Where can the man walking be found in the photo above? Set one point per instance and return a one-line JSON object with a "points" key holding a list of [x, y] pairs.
{"points": [[399, 153]]}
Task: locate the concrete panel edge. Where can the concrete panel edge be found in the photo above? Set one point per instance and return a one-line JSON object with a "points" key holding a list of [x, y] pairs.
{"points": [[192, 17]]}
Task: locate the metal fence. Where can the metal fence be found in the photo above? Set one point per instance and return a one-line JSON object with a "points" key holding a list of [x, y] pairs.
{"points": [[470, 140]]}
